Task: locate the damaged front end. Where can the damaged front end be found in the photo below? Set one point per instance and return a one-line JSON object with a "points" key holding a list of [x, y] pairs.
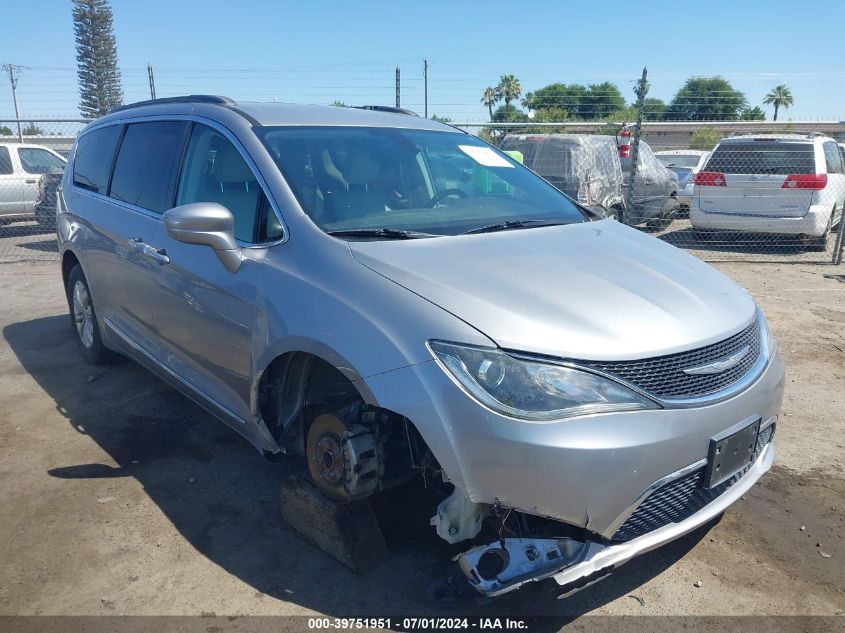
{"points": [[530, 548]]}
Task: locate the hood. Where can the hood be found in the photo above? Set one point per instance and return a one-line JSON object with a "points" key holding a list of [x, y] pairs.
{"points": [[592, 291]]}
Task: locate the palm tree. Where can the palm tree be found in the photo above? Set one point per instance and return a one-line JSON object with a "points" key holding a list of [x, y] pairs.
{"points": [[780, 97], [489, 99], [508, 89]]}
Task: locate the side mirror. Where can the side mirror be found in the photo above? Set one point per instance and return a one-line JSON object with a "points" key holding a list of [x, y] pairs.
{"points": [[208, 224]]}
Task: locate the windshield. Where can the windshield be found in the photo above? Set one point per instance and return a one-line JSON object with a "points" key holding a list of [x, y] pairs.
{"points": [[441, 183], [680, 160]]}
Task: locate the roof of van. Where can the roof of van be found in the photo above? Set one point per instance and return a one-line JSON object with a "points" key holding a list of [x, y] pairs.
{"points": [[259, 113], [744, 138]]}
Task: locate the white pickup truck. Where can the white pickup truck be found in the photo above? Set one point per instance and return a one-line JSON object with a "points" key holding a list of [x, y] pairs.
{"points": [[22, 168]]}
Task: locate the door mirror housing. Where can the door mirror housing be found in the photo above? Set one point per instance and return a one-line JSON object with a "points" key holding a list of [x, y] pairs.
{"points": [[207, 224]]}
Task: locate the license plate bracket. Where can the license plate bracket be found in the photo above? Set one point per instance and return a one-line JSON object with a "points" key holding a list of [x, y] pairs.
{"points": [[730, 451]]}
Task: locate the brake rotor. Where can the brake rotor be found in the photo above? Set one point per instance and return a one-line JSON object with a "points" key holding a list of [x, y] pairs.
{"points": [[324, 451]]}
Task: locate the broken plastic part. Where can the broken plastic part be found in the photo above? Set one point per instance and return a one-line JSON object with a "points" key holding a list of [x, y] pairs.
{"points": [[523, 560], [458, 518]]}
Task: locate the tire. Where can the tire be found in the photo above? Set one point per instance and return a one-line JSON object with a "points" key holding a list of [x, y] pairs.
{"points": [[83, 318], [819, 244], [46, 220], [662, 221], [616, 213]]}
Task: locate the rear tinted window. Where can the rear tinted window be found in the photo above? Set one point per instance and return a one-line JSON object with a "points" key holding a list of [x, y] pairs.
{"points": [[146, 164], [93, 158], [763, 158]]}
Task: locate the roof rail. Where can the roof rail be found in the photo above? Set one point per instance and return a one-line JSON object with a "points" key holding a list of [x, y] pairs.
{"points": [[213, 99], [391, 109]]}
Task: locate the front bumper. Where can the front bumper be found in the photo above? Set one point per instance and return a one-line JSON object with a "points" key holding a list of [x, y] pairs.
{"points": [[578, 565], [588, 471]]}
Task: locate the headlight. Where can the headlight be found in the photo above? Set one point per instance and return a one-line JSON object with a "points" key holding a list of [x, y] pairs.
{"points": [[765, 333], [532, 390]]}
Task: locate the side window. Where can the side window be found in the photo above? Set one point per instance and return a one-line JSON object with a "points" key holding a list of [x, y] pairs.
{"points": [[5, 162], [146, 164], [832, 158], [38, 161], [214, 171], [93, 158]]}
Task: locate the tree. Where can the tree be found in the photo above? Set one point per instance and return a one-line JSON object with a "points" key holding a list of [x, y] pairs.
{"points": [[706, 99], [752, 114], [440, 119], [705, 138], [96, 57], [32, 130], [653, 109], [338, 104], [5, 131], [489, 99], [509, 114], [505, 114], [508, 89], [558, 97], [601, 100], [779, 97]]}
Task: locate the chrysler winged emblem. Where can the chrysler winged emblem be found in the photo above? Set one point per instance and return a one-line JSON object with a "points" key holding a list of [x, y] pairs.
{"points": [[718, 366]]}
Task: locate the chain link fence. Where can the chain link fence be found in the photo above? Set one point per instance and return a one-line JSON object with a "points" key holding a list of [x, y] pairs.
{"points": [[764, 193], [32, 159], [753, 192]]}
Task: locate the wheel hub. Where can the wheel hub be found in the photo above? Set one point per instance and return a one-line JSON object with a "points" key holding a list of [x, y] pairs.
{"points": [[324, 451]]}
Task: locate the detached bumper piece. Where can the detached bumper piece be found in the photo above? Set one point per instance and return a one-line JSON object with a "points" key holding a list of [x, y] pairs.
{"points": [[671, 511]]}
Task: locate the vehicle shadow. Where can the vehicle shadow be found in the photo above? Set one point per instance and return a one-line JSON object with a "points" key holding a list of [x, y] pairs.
{"points": [[223, 498]]}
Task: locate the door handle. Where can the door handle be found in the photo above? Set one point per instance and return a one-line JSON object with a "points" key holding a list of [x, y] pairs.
{"points": [[137, 244], [31, 182]]}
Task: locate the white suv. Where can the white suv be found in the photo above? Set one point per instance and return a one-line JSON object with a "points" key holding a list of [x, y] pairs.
{"points": [[786, 184], [22, 172]]}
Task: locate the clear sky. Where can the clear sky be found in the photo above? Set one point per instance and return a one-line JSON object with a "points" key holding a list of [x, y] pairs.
{"points": [[316, 52]]}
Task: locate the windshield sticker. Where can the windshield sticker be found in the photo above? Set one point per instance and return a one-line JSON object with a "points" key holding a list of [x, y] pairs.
{"points": [[484, 156]]}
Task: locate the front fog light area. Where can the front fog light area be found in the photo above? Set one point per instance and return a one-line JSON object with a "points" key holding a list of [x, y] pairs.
{"points": [[534, 390]]}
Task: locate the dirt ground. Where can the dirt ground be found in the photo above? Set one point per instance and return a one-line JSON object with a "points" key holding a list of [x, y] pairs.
{"points": [[120, 496]]}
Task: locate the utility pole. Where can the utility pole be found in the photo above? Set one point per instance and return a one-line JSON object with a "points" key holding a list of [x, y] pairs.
{"points": [[14, 72], [152, 81], [425, 84], [397, 88], [641, 90]]}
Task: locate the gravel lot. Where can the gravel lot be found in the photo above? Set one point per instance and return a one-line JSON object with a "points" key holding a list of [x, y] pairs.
{"points": [[122, 497]]}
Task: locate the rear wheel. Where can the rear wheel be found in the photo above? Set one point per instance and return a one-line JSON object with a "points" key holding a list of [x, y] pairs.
{"points": [[615, 213], [665, 218], [84, 318], [819, 244]]}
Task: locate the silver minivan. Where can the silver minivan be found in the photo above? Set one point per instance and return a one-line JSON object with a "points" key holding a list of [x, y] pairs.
{"points": [[392, 298]]}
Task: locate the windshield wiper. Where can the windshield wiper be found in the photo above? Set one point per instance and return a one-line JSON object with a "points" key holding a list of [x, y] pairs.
{"points": [[512, 224], [381, 234]]}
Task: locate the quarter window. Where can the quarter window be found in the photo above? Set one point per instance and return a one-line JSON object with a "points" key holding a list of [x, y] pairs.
{"points": [[93, 158], [39, 161], [214, 171], [146, 164], [5, 162], [832, 158]]}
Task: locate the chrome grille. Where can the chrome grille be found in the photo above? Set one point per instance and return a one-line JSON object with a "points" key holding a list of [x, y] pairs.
{"points": [[680, 499], [664, 377]]}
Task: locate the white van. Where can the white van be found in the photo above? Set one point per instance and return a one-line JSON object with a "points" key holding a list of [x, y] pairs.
{"points": [[786, 184]]}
